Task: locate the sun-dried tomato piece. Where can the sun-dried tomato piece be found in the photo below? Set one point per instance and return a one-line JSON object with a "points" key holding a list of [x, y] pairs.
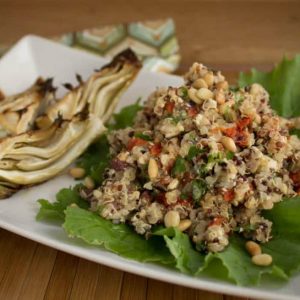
{"points": [[192, 111], [185, 202], [136, 142], [242, 138], [243, 123], [228, 195], [169, 106], [155, 150], [216, 221], [230, 132]]}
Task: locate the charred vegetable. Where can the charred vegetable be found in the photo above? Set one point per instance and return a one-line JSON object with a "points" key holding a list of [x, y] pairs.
{"points": [[18, 112], [66, 128], [99, 95]]}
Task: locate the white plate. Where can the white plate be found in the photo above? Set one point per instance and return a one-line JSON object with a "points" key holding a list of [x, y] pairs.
{"points": [[32, 57]]}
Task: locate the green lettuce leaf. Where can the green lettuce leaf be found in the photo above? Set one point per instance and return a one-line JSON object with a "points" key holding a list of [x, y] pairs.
{"points": [[55, 211], [188, 260], [285, 245], [238, 265], [118, 238], [283, 85], [125, 117], [95, 159], [234, 264]]}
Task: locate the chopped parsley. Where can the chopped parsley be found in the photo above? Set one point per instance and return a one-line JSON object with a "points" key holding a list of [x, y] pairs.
{"points": [[193, 152], [178, 118], [179, 166], [238, 100], [184, 196], [143, 136], [202, 171], [214, 158], [229, 155], [246, 228], [183, 92], [199, 188], [228, 114]]}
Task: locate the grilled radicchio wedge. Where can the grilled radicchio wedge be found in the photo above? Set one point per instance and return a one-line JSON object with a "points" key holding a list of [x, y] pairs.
{"points": [[66, 127]]}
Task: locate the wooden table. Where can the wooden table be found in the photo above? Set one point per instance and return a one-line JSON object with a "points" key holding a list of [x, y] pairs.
{"points": [[223, 34]]}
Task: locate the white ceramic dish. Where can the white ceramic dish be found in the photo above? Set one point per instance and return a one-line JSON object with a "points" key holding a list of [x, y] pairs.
{"points": [[32, 57]]}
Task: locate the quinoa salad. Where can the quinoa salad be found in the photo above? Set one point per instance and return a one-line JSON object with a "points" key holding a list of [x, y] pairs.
{"points": [[204, 158]]}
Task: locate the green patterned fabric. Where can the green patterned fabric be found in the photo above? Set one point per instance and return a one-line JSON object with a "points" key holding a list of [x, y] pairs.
{"points": [[154, 41]]}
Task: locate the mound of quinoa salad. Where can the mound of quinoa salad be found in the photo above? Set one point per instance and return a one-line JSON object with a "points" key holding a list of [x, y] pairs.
{"points": [[204, 158]]}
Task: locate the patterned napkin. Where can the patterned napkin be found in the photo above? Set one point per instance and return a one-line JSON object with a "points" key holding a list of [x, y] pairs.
{"points": [[154, 41]]}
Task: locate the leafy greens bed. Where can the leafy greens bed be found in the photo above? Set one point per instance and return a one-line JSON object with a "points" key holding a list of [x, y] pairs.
{"points": [[170, 246]]}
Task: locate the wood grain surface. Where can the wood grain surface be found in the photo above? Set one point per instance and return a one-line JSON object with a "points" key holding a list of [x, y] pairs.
{"points": [[231, 35]]}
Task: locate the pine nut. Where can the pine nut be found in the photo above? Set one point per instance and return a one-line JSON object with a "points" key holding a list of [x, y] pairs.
{"points": [[222, 85], [77, 172], [262, 260], [184, 224], [253, 248], [228, 143], [256, 89], [123, 156], [209, 78], [220, 97], [97, 194], [200, 83], [152, 168], [257, 118], [204, 94], [193, 96], [173, 184], [89, 183], [172, 197], [172, 218], [267, 204]]}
